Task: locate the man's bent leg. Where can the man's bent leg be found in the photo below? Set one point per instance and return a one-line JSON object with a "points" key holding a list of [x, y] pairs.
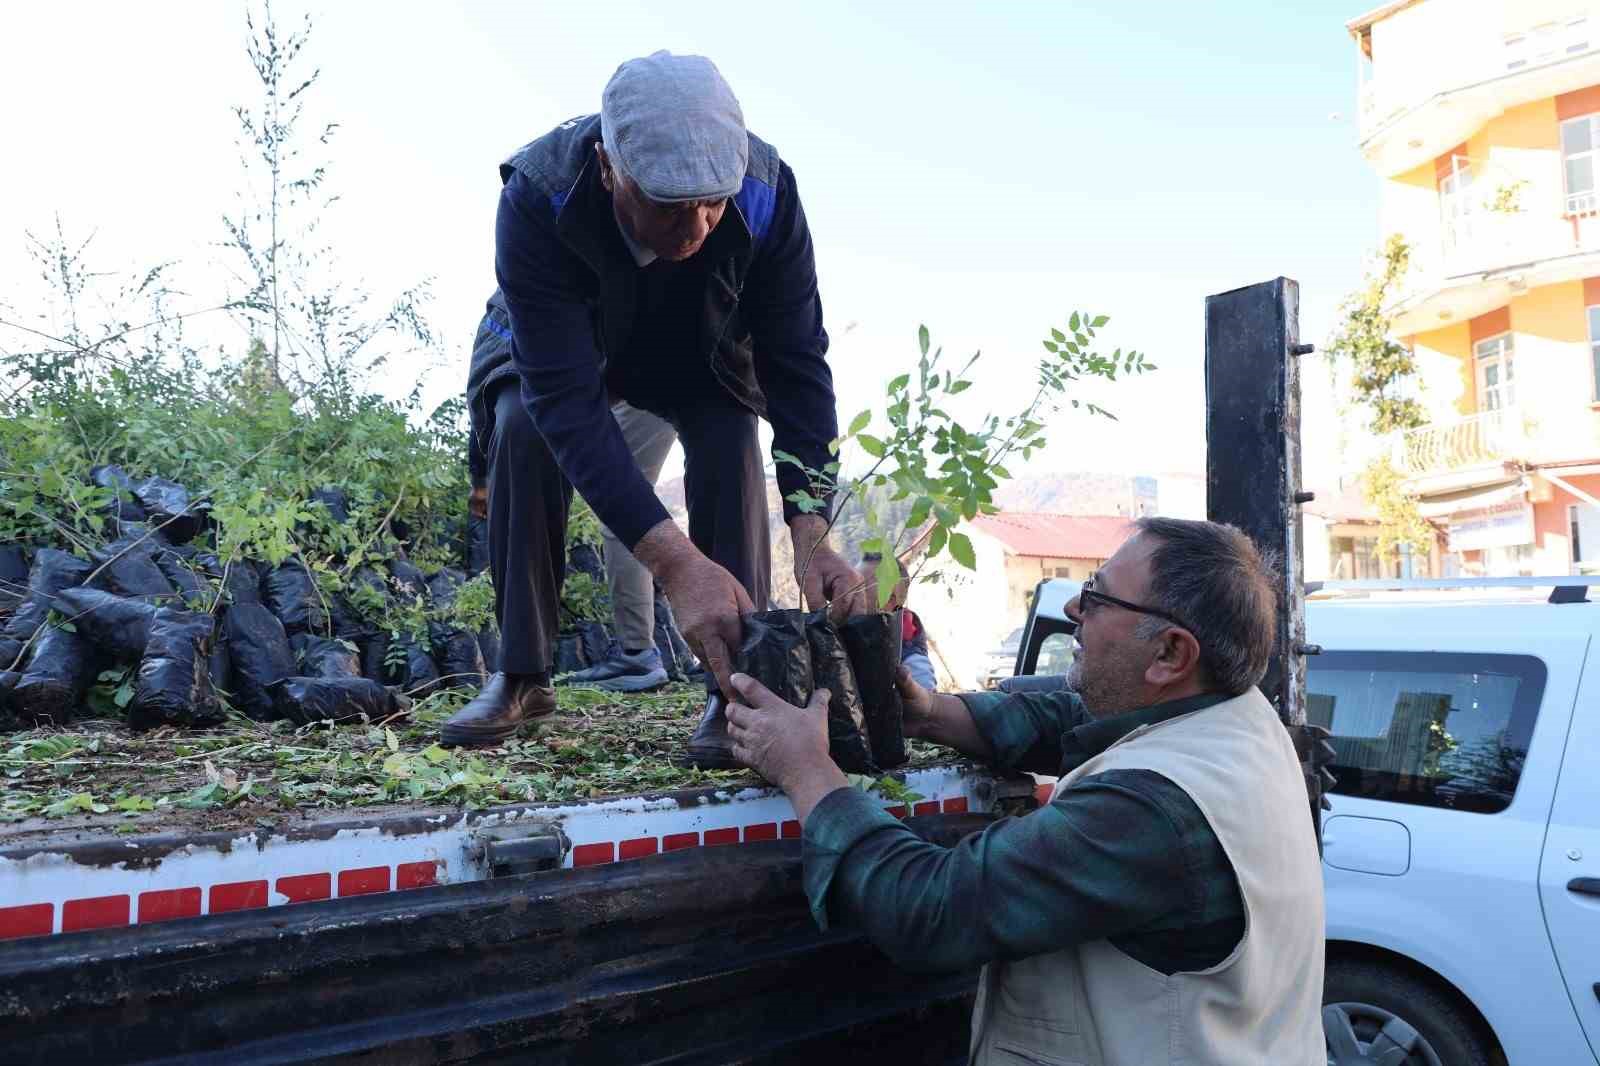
{"points": [[635, 664], [528, 503], [726, 490]]}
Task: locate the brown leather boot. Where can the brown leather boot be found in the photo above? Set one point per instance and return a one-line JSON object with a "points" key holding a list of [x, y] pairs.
{"points": [[710, 748], [498, 711]]}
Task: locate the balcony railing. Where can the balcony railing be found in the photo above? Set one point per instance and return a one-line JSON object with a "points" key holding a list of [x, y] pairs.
{"points": [[1461, 443]]}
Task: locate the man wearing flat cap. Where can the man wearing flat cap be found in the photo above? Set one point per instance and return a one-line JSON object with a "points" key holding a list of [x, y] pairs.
{"points": [[654, 256]]}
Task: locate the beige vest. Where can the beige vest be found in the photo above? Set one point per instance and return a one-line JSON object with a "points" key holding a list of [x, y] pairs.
{"points": [[1092, 1005]]}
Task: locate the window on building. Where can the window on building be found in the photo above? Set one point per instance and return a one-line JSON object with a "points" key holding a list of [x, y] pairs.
{"points": [[1547, 42], [1583, 521], [1497, 387], [1063, 571], [1455, 200], [1435, 729], [1594, 350], [1579, 139]]}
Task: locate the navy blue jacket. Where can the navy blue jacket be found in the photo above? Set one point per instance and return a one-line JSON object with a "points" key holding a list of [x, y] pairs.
{"points": [[570, 287]]}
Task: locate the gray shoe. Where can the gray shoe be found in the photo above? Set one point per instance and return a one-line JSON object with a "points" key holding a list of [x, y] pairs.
{"points": [[621, 672]]}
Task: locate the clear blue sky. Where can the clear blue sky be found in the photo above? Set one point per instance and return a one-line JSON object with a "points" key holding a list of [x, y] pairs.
{"points": [[981, 168]]}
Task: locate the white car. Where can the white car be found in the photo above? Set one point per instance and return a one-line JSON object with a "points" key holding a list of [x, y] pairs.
{"points": [[1462, 854]]}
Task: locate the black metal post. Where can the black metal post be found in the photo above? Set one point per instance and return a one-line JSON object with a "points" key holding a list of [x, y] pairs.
{"points": [[1253, 452]]}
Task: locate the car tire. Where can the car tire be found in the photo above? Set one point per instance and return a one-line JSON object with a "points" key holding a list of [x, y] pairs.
{"points": [[1375, 1013]]}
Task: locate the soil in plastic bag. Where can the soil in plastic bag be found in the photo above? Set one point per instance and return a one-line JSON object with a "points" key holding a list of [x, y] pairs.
{"points": [[349, 623], [260, 654], [477, 559], [454, 649], [408, 580], [374, 650], [568, 654], [13, 577], [329, 699], [52, 572], [167, 503], [325, 657], [180, 571], [60, 670], [8, 682], [585, 559], [776, 652], [124, 509], [219, 664], [118, 627], [243, 581], [336, 501], [418, 675], [831, 669], [174, 680], [128, 568], [873, 641], [289, 593], [594, 642]]}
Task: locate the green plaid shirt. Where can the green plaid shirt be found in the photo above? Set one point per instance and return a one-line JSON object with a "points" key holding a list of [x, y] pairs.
{"points": [[1123, 856]]}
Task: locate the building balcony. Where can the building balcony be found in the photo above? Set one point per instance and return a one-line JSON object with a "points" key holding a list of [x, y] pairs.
{"points": [[1458, 454], [1439, 73], [1508, 234]]}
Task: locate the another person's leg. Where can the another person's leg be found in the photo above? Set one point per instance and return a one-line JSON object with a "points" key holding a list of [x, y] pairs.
{"points": [[528, 503], [921, 669], [634, 664], [725, 487]]}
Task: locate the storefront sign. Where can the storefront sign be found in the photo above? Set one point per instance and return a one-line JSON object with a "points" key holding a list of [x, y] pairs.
{"points": [[1503, 526]]}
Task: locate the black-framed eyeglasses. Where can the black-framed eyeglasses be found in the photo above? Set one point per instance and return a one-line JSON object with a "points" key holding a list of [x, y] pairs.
{"points": [[1088, 596]]}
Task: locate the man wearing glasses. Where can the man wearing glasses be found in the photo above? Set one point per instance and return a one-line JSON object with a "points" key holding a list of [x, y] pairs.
{"points": [[1166, 905]]}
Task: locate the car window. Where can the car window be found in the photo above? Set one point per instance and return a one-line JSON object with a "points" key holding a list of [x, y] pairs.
{"points": [[1055, 654], [1437, 729]]}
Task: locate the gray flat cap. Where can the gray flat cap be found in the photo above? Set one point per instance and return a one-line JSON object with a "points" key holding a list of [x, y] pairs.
{"points": [[673, 126]]}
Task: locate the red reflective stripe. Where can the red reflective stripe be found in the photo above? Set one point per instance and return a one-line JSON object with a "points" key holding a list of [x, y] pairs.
{"points": [[593, 854], [100, 912], [722, 836], [304, 888], [364, 881], [166, 904], [926, 807], [238, 896], [790, 830], [677, 841], [416, 874], [956, 806], [764, 831], [34, 919], [636, 849], [1041, 793]]}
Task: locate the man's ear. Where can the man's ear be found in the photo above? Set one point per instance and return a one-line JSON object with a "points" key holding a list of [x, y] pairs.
{"points": [[1177, 658], [607, 175]]}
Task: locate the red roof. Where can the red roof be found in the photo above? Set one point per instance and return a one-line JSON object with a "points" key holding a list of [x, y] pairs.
{"points": [[1061, 536]]}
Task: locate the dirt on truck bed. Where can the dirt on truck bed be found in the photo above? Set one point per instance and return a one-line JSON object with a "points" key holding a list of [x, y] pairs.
{"points": [[98, 778]]}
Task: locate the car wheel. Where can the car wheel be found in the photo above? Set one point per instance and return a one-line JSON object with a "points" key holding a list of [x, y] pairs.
{"points": [[1374, 1013]]}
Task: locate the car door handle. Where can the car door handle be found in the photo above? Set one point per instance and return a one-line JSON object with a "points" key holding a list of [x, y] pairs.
{"points": [[1588, 886]]}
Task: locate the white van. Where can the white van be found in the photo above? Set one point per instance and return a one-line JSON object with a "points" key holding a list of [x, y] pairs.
{"points": [[1462, 854]]}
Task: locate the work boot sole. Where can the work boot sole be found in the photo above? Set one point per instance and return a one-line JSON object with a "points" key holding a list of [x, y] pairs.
{"points": [[708, 760], [633, 682]]}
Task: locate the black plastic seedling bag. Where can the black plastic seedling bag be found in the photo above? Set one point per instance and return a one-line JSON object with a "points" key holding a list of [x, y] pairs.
{"points": [[290, 593], [489, 645], [454, 649], [830, 669], [407, 580], [329, 699], [242, 581], [594, 642], [8, 682], [167, 503], [325, 657], [873, 641], [585, 559], [13, 577], [127, 567], [173, 686], [418, 675], [568, 654], [260, 654], [374, 650], [336, 502], [60, 670], [117, 626], [180, 571], [124, 509], [52, 572], [776, 652]]}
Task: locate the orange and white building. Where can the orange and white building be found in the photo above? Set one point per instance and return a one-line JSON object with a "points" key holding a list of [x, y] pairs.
{"points": [[1482, 118]]}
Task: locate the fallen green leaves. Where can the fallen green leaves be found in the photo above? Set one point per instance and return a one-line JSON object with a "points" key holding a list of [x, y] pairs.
{"points": [[597, 744]]}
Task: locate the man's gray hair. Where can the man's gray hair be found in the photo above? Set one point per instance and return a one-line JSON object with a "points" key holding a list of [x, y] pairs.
{"points": [[1212, 576]]}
